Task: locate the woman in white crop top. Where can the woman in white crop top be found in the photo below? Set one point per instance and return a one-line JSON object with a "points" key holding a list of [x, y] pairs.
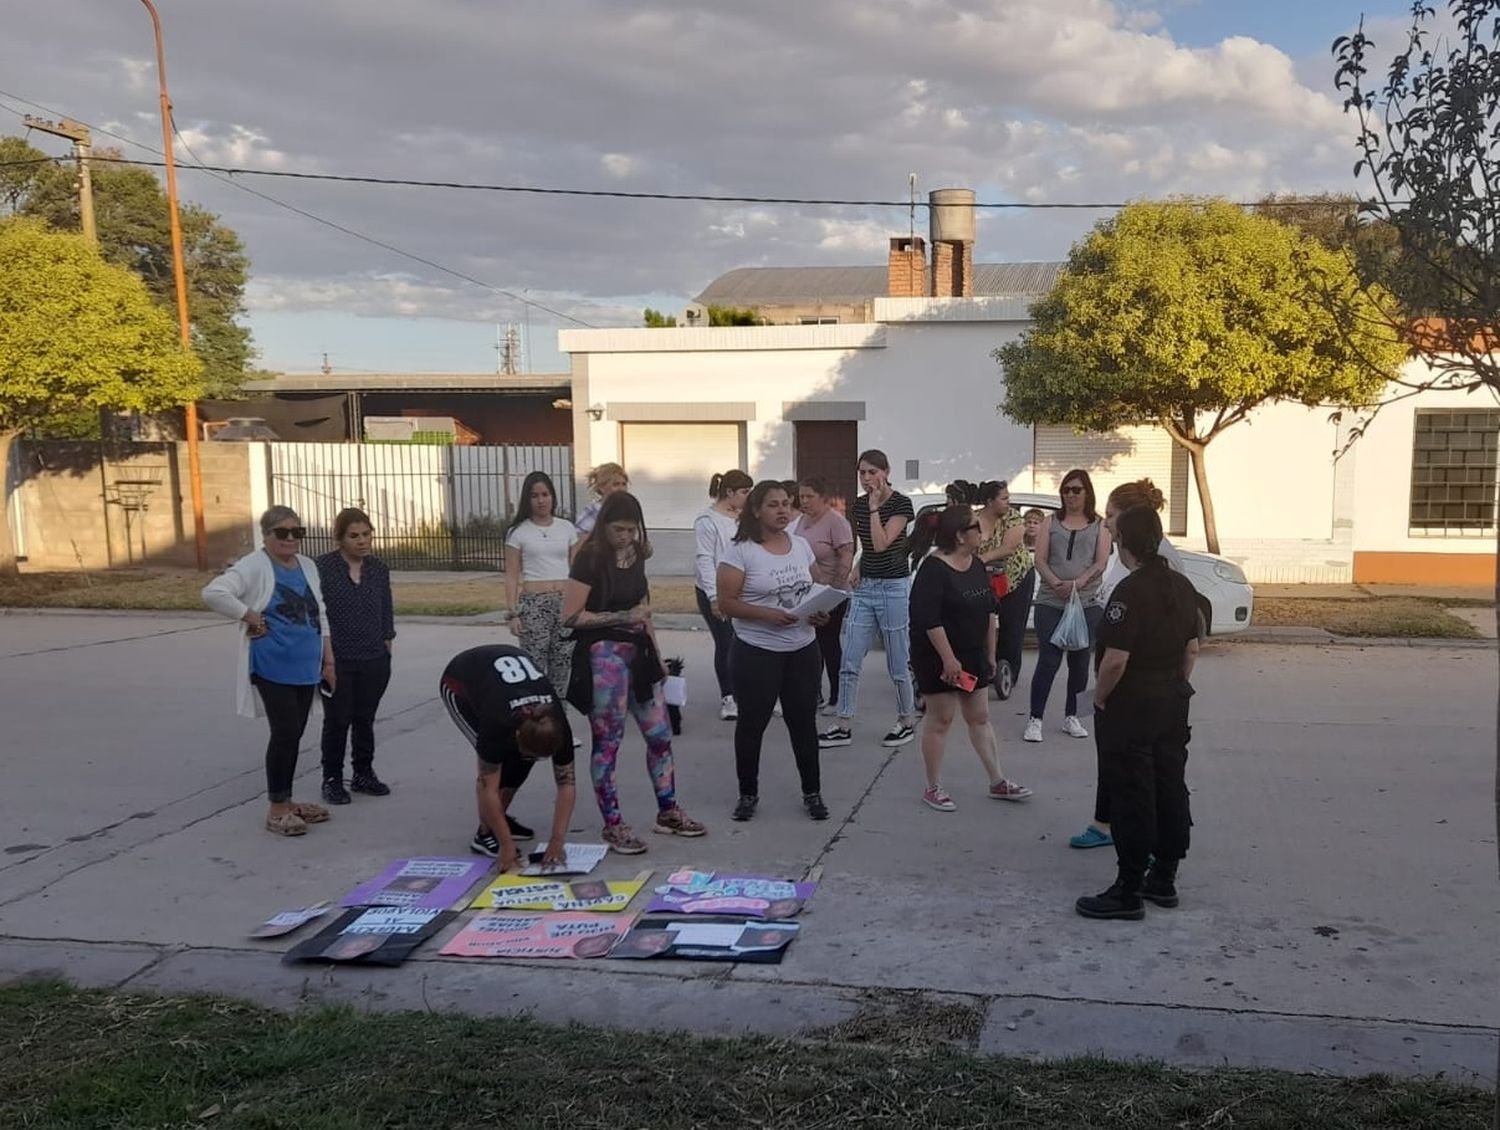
{"points": [[539, 547]]}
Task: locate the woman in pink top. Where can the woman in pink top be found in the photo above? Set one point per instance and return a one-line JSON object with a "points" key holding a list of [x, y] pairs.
{"points": [[832, 541]]}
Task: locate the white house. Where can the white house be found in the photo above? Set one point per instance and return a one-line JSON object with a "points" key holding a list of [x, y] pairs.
{"points": [[1413, 500]]}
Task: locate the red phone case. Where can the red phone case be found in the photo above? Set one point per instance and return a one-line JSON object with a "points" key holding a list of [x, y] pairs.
{"points": [[966, 681]]}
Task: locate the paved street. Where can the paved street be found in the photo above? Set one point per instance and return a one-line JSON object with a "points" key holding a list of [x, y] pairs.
{"points": [[1338, 906]]}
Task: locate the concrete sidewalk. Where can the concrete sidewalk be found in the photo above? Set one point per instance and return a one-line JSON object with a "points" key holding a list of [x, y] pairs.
{"points": [[1337, 908]]}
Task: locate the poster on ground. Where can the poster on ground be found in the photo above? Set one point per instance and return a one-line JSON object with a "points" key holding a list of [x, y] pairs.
{"points": [[289, 920], [377, 935], [536, 935], [578, 859], [707, 939], [520, 892], [426, 884], [755, 896]]}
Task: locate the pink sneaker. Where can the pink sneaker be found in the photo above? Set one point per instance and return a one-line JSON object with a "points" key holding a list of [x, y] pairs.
{"points": [[1008, 790], [620, 838], [939, 799], [675, 822]]}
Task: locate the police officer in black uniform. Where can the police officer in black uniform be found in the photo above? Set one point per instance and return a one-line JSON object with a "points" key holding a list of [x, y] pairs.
{"points": [[1146, 648], [510, 712]]}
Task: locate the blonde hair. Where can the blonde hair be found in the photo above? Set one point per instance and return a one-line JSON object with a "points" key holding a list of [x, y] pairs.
{"points": [[1142, 492], [604, 472]]}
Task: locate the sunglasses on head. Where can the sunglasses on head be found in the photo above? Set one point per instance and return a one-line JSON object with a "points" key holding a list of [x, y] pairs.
{"points": [[290, 533], [1072, 490]]}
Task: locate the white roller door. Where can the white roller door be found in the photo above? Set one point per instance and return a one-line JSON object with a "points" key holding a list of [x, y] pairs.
{"points": [[670, 465], [1111, 459]]}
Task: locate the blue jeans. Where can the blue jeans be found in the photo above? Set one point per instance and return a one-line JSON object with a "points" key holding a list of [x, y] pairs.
{"points": [[880, 605], [1049, 659]]}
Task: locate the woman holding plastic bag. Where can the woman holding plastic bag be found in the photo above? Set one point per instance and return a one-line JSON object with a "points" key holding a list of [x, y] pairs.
{"points": [[1072, 550]]}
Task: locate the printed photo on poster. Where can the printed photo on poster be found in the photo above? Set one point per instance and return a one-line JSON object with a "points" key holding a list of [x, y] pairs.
{"points": [[371, 936], [579, 935], [518, 892], [424, 884], [749, 940]]}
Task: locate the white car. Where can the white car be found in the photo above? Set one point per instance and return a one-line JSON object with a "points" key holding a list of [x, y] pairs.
{"points": [[1226, 599]]}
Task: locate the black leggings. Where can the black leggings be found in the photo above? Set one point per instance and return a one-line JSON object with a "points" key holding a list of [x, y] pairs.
{"points": [[357, 690], [286, 709], [832, 648], [760, 678], [1013, 608], [723, 634]]}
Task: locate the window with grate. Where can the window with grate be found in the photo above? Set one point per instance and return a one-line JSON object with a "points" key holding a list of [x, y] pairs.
{"points": [[1453, 472]]}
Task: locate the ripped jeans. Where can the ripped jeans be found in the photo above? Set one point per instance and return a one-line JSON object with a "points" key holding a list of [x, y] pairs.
{"points": [[879, 606]]}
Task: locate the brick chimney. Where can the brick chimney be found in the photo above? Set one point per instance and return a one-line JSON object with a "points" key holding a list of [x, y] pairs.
{"points": [[906, 275]]}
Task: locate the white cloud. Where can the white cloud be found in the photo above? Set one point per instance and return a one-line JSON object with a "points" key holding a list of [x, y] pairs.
{"points": [[619, 165]]}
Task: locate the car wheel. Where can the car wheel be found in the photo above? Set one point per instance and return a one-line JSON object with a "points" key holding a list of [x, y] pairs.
{"points": [[1005, 680], [1205, 618]]}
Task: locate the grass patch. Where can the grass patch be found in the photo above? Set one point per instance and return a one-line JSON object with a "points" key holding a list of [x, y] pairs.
{"points": [[911, 1022], [98, 1059], [1399, 617], [164, 591]]}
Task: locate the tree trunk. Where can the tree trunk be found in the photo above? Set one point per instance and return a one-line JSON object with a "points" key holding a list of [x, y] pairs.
{"points": [[1198, 452], [8, 566]]}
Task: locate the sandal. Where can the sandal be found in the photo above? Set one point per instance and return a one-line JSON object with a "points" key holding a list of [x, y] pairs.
{"points": [[1091, 837], [287, 824], [310, 813]]}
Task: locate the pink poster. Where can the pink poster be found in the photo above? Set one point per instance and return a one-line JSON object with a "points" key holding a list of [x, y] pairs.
{"points": [[536, 935]]}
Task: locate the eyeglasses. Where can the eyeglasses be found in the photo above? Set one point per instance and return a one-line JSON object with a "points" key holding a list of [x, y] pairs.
{"points": [[289, 533], [1072, 490]]}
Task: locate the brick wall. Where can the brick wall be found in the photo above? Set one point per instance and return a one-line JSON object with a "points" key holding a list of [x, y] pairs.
{"points": [[906, 271], [952, 269], [99, 506]]}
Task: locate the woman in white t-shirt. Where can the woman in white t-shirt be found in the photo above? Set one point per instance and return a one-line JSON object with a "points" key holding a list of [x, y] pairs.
{"points": [[712, 531], [763, 574], [539, 547]]}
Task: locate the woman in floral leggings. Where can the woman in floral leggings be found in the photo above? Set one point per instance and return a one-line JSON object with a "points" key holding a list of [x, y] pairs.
{"points": [[617, 669]]}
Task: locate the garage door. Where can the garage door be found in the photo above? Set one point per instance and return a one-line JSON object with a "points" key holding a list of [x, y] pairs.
{"points": [[1113, 458], [670, 465]]}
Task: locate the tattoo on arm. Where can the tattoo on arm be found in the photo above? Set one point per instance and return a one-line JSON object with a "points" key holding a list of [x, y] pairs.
{"points": [[563, 774]]}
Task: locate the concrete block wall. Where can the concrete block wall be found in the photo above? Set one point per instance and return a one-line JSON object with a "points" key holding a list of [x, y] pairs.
{"points": [[101, 506]]}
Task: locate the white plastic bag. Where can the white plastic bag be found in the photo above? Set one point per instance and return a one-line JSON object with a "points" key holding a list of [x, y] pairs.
{"points": [[1073, 629], [675, 692]]}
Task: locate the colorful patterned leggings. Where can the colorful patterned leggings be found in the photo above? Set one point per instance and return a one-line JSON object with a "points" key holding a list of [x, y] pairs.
{"points": [[609, 663]]}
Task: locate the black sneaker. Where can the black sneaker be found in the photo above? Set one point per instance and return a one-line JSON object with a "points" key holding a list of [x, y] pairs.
{"points": [[746, 807], [834, 737], [1159, 888], [485, 842], [1117, 902], [518, 831], [334, 791], [816, 809], [898, 735], [369, 784]]}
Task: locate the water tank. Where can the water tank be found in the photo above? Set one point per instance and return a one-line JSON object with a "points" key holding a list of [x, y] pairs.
{"points": [[952, 214]]}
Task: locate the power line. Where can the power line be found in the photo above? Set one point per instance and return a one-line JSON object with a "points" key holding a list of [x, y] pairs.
{"points": [[212, 172]]}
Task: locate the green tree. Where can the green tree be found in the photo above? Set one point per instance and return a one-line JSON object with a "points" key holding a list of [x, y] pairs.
{"points": [[130, 209], [656, 320], [1429, 148], [1190, 315], [732, 316], [20, 165]]}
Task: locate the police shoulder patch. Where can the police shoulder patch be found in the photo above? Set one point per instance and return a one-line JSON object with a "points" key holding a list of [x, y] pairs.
{"points": [[1115, 612]]}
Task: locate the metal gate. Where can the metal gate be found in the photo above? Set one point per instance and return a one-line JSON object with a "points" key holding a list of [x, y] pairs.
{"points": [[433, 507]]}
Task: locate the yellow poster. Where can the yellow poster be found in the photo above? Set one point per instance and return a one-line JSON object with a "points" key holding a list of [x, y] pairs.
{"points": [[524, 892]]}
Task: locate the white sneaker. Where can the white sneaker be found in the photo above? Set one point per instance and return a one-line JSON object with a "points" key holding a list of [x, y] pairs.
{"points": [[776, 710], [1033, 731], [1074, 728], [728, 710]]}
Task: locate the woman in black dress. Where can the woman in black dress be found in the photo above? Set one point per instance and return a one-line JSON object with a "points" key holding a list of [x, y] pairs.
{"points": [[953, 651]]}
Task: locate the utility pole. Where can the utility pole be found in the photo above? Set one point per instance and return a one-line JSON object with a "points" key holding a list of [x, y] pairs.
{"points": [[79, 135], [510, 353]]}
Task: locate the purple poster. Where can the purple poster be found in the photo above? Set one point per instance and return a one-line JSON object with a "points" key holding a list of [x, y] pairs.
{"points": [[754, 896], [420, 884]]}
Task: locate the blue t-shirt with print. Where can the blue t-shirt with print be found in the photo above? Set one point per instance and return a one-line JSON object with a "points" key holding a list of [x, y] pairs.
{"points": [[291, 651]]}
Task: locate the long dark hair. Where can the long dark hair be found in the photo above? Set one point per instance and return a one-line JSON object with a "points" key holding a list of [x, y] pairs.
{"points": [[723, 485], [749, 527], [1088, 494], [940, 529], [988, 491], [1139, 530], [523, 511], [618, 506]]}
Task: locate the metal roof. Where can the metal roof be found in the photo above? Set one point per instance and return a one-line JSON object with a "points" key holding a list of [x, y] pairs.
{"points": [[797, 286], [411, 382]]}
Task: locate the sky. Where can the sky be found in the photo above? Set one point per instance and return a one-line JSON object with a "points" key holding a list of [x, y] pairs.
{"points": [[1038, 101]]}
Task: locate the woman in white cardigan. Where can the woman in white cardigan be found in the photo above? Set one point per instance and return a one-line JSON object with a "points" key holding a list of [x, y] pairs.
{"points": [[284, 652]]}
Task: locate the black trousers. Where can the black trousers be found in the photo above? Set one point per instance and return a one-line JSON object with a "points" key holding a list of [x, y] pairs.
{"points": [[1142, 743], [760, 678], [832, 648], [286, 710], [357, 691], [723, 635], [1013, 608]]}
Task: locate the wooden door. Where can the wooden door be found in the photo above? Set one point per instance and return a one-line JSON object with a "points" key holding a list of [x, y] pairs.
{"points": [[830, 450]]}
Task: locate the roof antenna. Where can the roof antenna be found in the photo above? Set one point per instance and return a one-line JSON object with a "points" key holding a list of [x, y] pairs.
{"points": [[911, 184]]}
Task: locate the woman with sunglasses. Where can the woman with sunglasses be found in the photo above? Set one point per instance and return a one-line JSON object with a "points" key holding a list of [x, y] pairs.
{"points": [[953, 650], [284, 652], [1072, 551], [361, 624]]}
